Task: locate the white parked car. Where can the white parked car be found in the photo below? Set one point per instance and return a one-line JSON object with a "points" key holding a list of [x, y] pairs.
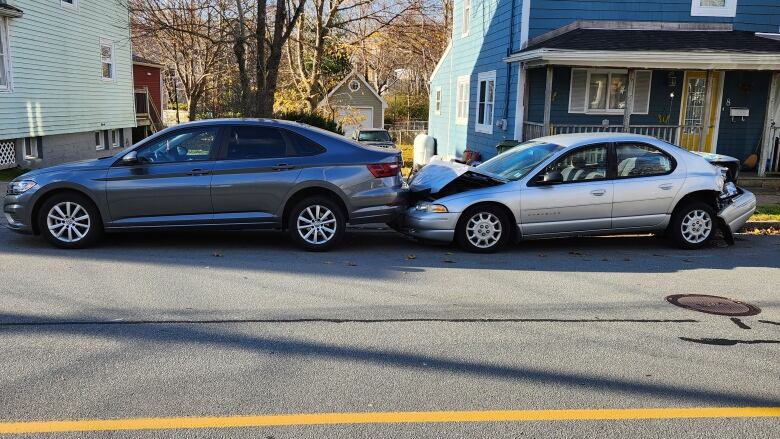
{"points": [[578, 184]]}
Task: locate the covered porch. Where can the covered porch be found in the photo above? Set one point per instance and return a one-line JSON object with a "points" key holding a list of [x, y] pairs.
{"points": [[704, 90]]}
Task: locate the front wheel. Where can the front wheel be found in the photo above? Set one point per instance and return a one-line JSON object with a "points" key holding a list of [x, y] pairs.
{"points": [[693, 225], [316, 224], [69, 221], [483, 229]]}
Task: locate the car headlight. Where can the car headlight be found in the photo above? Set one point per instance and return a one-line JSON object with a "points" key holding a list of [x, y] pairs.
{"points": [[430, 207], [20, 187], [729, 190]]}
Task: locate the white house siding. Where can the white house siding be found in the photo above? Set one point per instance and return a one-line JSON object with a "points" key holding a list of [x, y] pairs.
{"points": [[57, 84]]}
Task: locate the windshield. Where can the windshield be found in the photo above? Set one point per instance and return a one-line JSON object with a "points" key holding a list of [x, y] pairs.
{"points": [[374, 136], [520, 160]]}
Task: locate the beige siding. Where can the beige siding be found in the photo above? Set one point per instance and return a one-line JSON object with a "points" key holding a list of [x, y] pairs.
{"points": [[56, 70]]}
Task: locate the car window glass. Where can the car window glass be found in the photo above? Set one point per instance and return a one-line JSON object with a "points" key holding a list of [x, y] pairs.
{"points": [[181, 146], [520, 160], [303, 146], [641, 160], [255, 142], [582, 165], [374, 136]]}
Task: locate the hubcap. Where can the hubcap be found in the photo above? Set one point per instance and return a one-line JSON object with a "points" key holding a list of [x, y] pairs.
{"points": [[316, 224], [483, 230], [696, 226], [68, 221]]}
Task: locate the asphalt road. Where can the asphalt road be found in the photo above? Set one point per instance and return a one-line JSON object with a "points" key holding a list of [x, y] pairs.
{"points": [[228, 324]]}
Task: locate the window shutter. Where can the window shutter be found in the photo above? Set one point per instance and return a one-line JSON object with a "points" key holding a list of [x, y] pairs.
{"points": [[578, 91], [642, 91]]}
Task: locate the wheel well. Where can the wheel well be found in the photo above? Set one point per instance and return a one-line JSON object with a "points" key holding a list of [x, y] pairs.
{"points": [[706, 196], [310, 192], [46, 196], [503, 207]]}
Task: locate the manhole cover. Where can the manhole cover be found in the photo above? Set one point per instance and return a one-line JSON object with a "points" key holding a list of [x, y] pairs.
{"points": [[713, 305]]}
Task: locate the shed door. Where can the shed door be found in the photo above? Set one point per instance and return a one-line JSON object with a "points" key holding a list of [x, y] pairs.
{"points": [[353, 118]]}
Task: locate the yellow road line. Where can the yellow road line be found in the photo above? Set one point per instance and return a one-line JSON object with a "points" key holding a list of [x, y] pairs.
{"points": [[384, 418]]}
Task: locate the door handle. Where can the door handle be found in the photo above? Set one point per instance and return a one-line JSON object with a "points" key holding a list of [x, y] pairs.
{"points": [[283, 167], [666, 186], [598, 192], [199, 172]]}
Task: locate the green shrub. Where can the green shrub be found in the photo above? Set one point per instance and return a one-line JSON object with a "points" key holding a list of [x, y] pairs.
{"points": [[313, 119]]}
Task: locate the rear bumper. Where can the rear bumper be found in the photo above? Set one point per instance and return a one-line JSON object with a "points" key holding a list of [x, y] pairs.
{"points": [[433, 226], [376, 214], [738, 211]]}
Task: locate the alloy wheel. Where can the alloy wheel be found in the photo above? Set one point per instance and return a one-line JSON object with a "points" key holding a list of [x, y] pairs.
{"points": [[483, 230], [68, 222], [316, 224], [696, 226]]}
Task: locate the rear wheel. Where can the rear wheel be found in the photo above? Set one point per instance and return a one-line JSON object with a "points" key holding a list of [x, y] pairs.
{"points": [[483, 229], [69, 220], [692, 225], [316, 224]]}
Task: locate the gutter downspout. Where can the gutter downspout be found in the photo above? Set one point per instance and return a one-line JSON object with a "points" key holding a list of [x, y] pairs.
{"points": [[509, 52], [525, 20]]}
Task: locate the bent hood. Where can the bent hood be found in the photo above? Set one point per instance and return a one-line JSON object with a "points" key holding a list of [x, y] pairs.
{"points": [[438, 175], [722, 161]]}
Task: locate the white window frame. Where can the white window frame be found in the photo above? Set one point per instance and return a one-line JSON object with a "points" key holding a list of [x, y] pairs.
{"points": [[729, 9], [466, 19], [6, 49], [66, 5], [115, 139], [462, 100], [30, 144], [487, 125], [100, 145], [437, 101], [607, 111], [107, 42]]}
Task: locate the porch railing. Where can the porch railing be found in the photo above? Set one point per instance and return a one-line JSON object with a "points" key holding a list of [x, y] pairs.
{"points": [[688, 137]]}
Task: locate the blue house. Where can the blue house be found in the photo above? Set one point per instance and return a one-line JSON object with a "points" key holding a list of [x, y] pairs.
{"points": [[702, 74]]}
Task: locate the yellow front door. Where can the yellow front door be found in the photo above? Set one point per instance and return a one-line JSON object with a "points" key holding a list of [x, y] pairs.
{"points": [[693, 111]]}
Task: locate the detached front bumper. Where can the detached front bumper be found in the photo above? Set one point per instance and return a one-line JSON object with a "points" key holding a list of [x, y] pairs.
{"points": [[738, 210], [427, 225]]}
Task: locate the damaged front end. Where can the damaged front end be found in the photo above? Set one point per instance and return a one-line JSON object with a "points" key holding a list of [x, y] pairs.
{"points": [[735, 205], [440, 179]]}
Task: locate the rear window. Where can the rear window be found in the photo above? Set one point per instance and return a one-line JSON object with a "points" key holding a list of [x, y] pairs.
{"points": [[303, 146], [255, 142], [374, 136]]}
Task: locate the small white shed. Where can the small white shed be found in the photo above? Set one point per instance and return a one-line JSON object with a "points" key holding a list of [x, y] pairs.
{"points": [[355, 104]]}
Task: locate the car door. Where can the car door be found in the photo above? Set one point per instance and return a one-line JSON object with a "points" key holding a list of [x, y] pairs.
{"points": [[581, 202], [646, 183], [169, 183], [259, 166]]}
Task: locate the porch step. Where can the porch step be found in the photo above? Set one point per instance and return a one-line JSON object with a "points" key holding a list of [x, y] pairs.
{"points": [[765, 183]]}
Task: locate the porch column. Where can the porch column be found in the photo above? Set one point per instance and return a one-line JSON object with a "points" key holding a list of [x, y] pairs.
{"points": [[706, 117], [548, 100], [629, 101], [771, 105]]}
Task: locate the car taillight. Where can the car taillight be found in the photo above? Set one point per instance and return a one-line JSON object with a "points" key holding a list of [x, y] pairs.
{"points": [[382, 170]]}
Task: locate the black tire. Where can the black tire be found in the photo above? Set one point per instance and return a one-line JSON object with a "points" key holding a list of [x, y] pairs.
{"points": [[482, 218], [72, 215], [693, 225], [306, 242]]}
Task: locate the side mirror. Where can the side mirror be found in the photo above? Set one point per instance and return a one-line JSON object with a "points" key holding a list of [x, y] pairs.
{"points": [[552, 177], [131, 158]]}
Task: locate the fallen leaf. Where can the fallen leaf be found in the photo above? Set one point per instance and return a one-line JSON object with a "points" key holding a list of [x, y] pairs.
{"points": [[217, 254], [410, 257]]}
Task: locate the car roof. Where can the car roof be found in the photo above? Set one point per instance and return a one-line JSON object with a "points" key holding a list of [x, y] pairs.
{"points": [[240, 121], [571, 140]]}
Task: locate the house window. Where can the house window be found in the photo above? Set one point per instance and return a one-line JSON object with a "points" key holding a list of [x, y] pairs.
{"points": [[354, 85], [604, 91], [70, 4], [462, 113], [466, 17], [32, 147], [99, 141], [714, 8], [115, 139], [107, 59], [437, 104], [5, 61], [486, 97]]}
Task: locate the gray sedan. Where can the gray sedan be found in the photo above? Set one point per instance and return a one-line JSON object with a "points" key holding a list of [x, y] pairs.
{"points": [[219, 174], [580, 184]]}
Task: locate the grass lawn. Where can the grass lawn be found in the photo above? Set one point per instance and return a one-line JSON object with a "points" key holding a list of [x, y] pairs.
{"points": [[10, 174], [767, 212]]}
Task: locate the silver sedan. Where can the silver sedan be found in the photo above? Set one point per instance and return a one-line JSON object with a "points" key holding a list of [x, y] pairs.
{"points": [[579, 184]]}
